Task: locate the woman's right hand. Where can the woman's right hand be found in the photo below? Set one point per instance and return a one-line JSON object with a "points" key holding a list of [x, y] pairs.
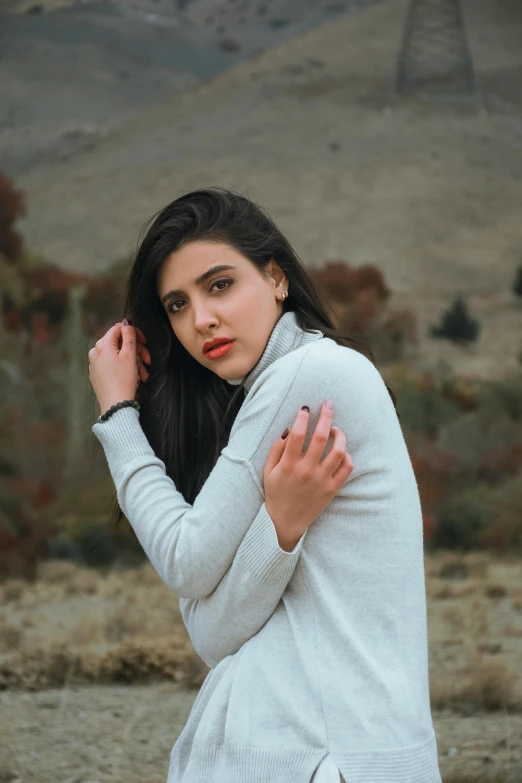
{"points": [[298, 486]]}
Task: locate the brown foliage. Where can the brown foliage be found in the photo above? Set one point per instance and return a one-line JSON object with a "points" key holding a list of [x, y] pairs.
{"points": [[24, 529], [45, 300], [35, 302], [35, 295], [356, 295], [505, 534], [461, 391], [428, 526], [434, 472], [496, 462], [342, 283], [392, 334], [402, 324], [12, 206]]}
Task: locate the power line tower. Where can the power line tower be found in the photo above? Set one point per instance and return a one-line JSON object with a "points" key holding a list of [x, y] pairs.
{"points": [[435, 53]]}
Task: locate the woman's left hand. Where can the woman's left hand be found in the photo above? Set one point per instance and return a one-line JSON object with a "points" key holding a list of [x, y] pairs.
{"points": [[115, 366]]}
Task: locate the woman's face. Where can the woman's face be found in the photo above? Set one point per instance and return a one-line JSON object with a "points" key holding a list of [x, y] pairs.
{"points": [[236, 303]]}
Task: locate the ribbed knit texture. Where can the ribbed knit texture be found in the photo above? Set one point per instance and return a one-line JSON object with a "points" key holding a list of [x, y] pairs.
{"points": [[322, 650]]}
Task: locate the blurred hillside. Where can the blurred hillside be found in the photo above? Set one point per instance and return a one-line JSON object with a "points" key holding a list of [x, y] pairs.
{"points": [[75, 69], [429, 190]]}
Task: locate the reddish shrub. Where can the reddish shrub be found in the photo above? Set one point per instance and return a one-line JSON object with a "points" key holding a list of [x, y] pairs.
{"points": [[428, 526], [497, 463], [46, 299], [356, 295], [24, 530], [12, 207], [435, 472], [342, 283]]}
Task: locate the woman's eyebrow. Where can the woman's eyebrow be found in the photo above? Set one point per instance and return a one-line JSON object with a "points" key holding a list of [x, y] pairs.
{"points": [[198, 281]]}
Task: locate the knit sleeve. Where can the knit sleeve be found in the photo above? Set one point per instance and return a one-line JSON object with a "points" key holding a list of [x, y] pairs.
{"points": [[245, 599], [193, 546]]}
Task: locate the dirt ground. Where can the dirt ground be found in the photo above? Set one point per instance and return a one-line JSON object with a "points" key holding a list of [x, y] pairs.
{"points": [[113, 733]]}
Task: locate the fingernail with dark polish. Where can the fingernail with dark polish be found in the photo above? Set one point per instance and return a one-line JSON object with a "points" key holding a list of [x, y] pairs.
{"points": [[285, 433], [305, 408]]}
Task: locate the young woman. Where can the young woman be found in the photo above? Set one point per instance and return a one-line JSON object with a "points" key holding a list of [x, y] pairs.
{"points": [[295, 546]]}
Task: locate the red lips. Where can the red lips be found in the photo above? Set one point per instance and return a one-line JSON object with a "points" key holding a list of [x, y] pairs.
{"points": [[215, 341]]}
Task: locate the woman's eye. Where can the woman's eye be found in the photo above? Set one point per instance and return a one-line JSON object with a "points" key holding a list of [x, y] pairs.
{"points": [[228, 281], [221, 281]]}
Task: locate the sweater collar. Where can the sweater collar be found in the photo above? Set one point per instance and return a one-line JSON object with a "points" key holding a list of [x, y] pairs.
{"points": [[286, 336]]}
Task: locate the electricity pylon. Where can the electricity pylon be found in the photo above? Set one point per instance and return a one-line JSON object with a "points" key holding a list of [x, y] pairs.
{"points": [[435, 51]]}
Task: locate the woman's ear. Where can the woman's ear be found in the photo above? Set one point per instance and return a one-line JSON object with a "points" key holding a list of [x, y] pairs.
{"points": [[276, 273]]}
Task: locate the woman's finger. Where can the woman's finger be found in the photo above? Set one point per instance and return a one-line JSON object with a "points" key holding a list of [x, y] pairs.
{"points": [[296, 437], [111, 337], [345, 469], [115, 333], [320, 437], [336, 454], [144, 353], [142, 372], [275, 454], [139, 335], [141, 349], [128, 339]]}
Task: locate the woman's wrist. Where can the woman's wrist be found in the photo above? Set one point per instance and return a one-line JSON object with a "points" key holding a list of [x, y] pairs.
{"points": [[114, 400], [288, 544], [106, 414]]}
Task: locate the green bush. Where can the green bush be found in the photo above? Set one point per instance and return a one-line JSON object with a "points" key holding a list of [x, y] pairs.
{"points": [[482, 517], [487, 441], [472, 437], [462, 518], [425, 410], [456, 324], [504, 533], [501, 398], [96, 546], [62, 547]]}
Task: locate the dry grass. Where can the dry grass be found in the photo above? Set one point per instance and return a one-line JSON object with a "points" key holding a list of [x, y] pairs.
{"points": [[75, 624], [495, 591], [136, 660], [125, 626], [475, 656], [10, 636]]}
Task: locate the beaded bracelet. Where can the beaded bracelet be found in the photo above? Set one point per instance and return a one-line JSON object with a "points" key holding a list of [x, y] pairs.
{"points": [[125, 404]]}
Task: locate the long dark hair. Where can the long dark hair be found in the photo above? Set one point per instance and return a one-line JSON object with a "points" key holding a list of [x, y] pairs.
{"points": [[187, 411]]}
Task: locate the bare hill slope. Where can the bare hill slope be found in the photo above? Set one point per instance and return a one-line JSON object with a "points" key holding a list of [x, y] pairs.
{"points": [[429, 190]]}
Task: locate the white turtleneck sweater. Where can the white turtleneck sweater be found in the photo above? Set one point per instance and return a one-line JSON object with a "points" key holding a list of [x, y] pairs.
{"points": [[319, 653]]}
